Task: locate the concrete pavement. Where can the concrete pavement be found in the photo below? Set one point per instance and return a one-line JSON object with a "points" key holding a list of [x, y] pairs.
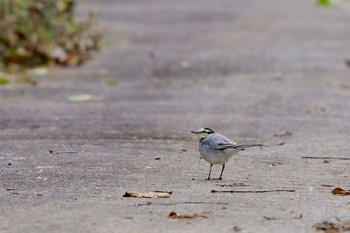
{"points": [[249, 69]]}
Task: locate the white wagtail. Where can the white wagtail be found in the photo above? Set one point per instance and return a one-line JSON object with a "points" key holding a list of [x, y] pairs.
{"points": [[217, 149]]}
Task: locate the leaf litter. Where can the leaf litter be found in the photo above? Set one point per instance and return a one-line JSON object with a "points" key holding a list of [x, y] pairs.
{"points": [[300, 216], [331, 227], [154, 194], [340, 192], [174, 215]]}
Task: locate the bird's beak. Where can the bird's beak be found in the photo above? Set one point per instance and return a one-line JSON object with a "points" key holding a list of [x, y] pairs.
{"points": [[196, 132]]}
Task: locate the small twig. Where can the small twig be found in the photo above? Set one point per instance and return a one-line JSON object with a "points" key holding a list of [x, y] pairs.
{"points": [[233, 185], [283, 134], [272, 162], [159, 191], [144, 204], [300, 216], [252, 191], [311, 157], [62, 152], [184, 203], [327, 185]]}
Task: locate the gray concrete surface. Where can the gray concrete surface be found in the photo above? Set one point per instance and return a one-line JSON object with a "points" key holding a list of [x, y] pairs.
{"points": [[249, 69]]}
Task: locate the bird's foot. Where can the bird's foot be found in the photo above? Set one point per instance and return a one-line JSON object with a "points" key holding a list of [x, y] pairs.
{"points": [[217, 178]]}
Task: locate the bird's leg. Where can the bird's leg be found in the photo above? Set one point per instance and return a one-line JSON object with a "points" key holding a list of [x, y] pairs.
{"points": [[211, 165], [222, 171]]}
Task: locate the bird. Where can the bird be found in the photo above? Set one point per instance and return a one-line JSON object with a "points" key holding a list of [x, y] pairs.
{"points": [[217, 149]]}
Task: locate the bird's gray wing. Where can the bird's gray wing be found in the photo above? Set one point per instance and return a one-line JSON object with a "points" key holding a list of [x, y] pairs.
{"points": [[220, 142]]}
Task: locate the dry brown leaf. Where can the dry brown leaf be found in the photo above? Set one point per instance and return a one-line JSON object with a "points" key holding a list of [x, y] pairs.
{"points": [[155, 194], [174, 215], [327, 227], [330, 227], [340, 191]]}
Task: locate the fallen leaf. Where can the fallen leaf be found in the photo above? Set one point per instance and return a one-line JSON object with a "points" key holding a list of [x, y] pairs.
{"points": [[84, 98], [155, 194], [327, 227], [341, 192], [174, 215]]}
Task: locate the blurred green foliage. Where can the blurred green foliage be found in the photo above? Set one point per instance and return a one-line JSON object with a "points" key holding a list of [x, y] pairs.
{"points": [[42, 32], [323, 2], [4, 81], [327, 3]]}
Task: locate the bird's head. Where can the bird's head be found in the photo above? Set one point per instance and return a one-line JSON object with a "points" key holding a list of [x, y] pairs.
{"points": [[203, 132]]}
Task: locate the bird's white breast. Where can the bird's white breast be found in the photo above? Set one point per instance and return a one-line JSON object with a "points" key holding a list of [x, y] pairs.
{"points": [[215, 156]]}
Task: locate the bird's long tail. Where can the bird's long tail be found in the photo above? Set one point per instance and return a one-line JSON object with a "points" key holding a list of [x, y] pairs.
{"points": [[243, 146]]}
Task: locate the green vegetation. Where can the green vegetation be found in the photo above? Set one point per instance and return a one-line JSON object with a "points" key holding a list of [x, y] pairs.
{"points": [[42, 32], [323, 2], [3, 81], [327, 3]]}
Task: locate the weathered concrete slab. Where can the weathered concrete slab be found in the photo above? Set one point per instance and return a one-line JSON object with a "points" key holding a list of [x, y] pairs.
{"points": [[249, 69]]}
